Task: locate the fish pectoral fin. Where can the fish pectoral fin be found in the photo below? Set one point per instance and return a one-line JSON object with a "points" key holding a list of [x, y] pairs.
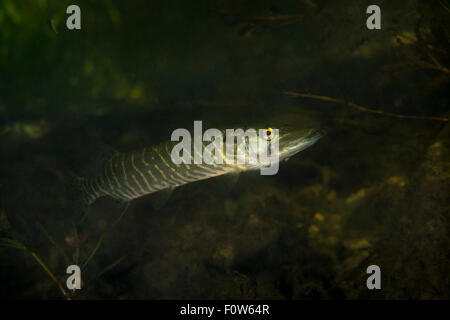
{"points": [[160, 198]]}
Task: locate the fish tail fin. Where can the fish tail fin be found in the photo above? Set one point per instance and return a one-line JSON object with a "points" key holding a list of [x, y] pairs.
{"points": [[81, 188], [85, 197]]}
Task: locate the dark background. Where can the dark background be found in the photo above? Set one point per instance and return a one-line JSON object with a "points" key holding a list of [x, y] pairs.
{"points": [[374, 190]]}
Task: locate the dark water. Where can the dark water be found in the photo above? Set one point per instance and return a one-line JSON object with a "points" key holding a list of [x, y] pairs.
{"points": [[373, 191]]}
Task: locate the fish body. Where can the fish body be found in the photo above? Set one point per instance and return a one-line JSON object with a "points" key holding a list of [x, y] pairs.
{"points": [[130, 175]]}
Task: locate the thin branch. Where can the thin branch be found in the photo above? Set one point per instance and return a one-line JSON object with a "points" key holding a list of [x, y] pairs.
{"points": [[361, 108], [310, 3], [53, 241], [423, 47], [419, 62], [265, 18], [44, 266], [8, 242], [446, 9]]}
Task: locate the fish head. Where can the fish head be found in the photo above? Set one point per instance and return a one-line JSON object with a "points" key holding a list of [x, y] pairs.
{"points": [[273, 144], [293, 140]]}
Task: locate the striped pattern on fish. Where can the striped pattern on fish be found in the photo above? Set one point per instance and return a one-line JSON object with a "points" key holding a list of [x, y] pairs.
{"points": [[130, 175]]}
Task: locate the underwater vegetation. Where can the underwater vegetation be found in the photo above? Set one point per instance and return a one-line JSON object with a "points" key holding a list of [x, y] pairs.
{"points": [[373, 191]]}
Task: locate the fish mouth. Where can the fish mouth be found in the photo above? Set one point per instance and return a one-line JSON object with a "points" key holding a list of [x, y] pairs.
{"points": [[314, 135], [299, 140]]}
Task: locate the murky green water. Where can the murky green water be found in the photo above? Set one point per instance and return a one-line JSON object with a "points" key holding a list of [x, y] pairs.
{"points": [[373, 191]]}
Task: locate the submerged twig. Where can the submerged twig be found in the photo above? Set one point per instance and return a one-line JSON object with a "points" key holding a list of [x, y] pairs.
{"points": [[109, 267], [7, 242], [429, 61], [260, 23], [423, 46], [124, 208], [361, 108], [263, 18], [94, 251], [53, 241], [44, 266], [446, 9]]}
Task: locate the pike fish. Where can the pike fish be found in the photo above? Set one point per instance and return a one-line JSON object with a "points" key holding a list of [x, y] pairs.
{"points": [[130, 175]]}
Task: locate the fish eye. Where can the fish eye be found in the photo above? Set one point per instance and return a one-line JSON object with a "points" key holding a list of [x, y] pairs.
{"points": [[269, 134]]}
